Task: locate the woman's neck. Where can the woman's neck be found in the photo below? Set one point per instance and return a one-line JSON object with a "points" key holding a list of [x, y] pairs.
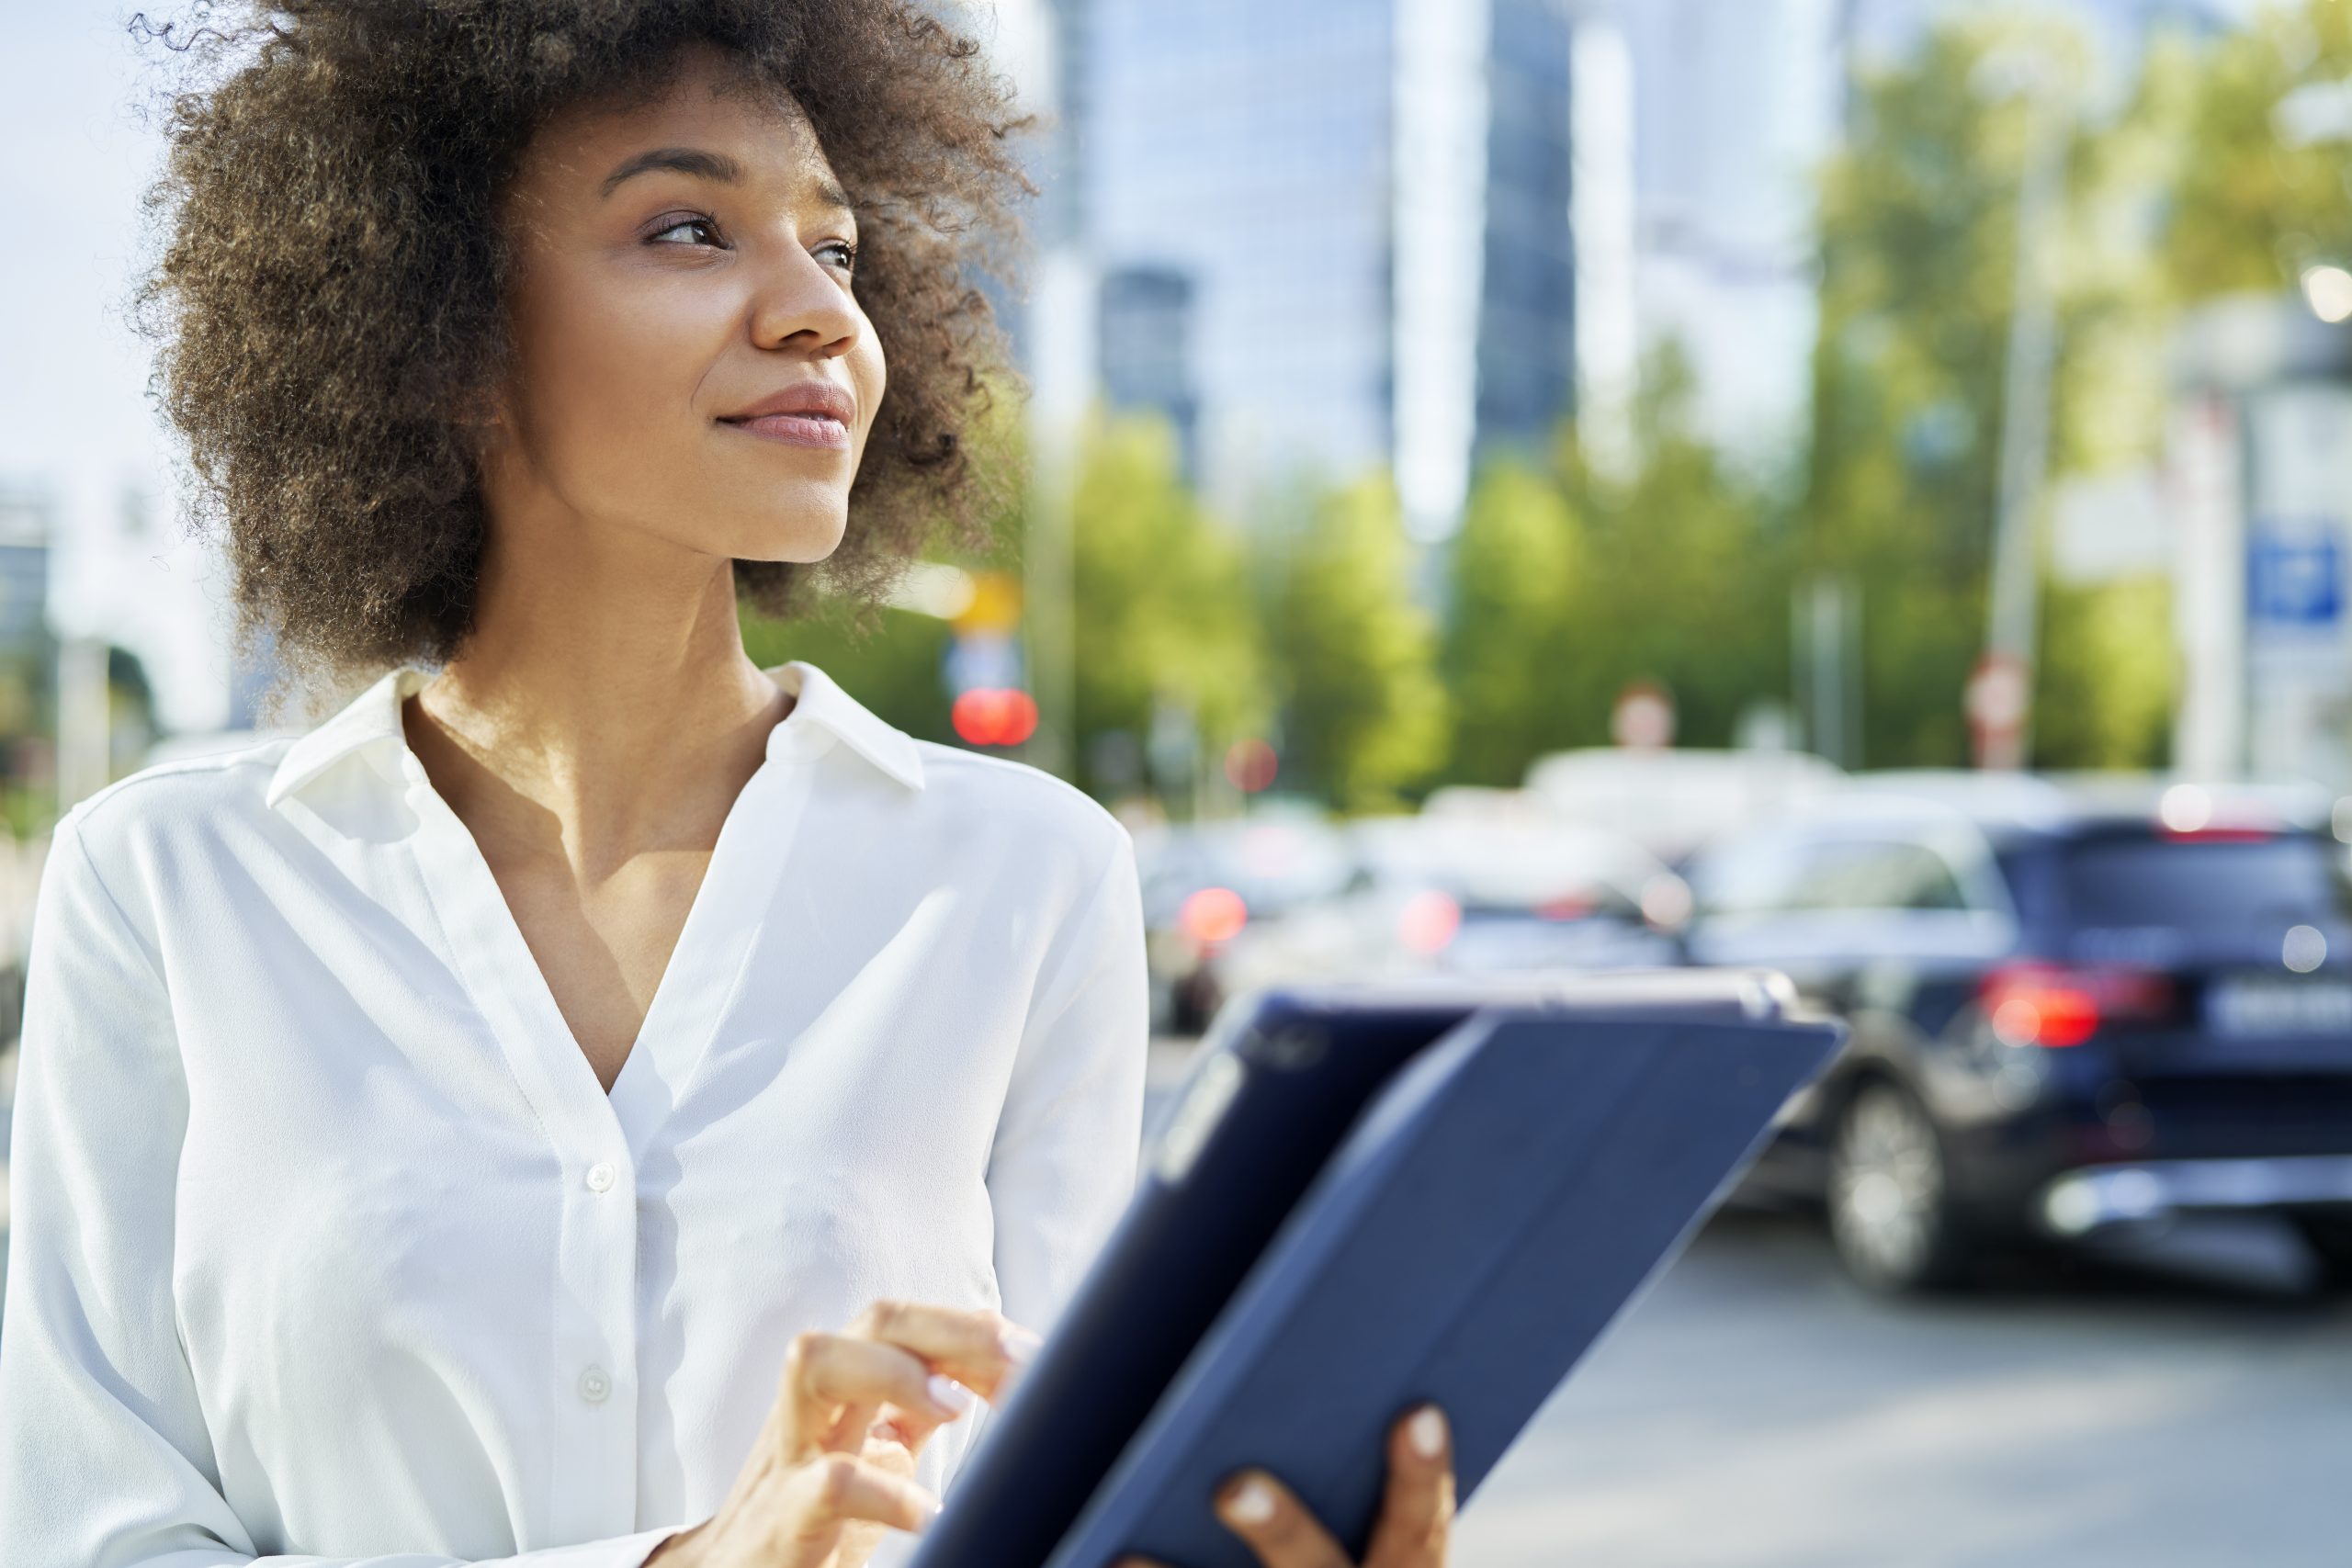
{"points": [[604, 697]]}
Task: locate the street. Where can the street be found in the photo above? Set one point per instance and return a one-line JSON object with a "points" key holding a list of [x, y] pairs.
{"points": [[1756, 1409]]}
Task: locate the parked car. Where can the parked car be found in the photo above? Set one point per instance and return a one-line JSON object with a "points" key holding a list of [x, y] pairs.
{"points": [[1672, 799], [1446, 894], [1204, 883], [2072, 1011]]}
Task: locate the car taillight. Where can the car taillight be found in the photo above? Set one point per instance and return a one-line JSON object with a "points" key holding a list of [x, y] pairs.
{"points": [[1428, 921], [1211, 915], [2057, 1005]]}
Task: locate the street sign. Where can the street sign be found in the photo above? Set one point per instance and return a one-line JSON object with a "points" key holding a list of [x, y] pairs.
{"points": [[1997, 694], [1999, 699], [1643, 719], [982, 661], [2294, 581]]}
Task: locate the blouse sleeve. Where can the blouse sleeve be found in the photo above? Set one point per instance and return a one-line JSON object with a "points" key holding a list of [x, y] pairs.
{"points": [[105, 1458], [1064, 1161]]}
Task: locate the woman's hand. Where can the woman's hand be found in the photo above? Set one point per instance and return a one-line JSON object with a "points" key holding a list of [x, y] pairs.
{"points": [[1416, 1521], [832, 1468]]}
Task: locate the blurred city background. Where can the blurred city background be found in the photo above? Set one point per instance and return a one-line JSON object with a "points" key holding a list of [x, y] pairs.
{"points": [[1858, 486]]}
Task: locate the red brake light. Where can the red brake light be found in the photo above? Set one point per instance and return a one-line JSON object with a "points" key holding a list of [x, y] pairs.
{"points": [[2053, 1005], [1428, 921], [1213, 915], [988, 715]]}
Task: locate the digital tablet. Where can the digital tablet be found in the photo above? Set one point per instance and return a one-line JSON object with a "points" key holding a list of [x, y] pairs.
{"points": [[1362, 1198]]}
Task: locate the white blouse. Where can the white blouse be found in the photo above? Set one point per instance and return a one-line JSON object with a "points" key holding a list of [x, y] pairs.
{"points": [[329, 1247]]}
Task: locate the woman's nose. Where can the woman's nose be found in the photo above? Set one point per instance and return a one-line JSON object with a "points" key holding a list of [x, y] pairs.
{"points": [[802, 298]]}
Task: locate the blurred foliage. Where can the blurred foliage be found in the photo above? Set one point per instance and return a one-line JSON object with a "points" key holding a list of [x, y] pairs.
{"points": [[1568, 586], [2250, 207], [2107, 675], [1919, 257], [1164, 613], [893, 666], [1514, 564], [1364, 717]]}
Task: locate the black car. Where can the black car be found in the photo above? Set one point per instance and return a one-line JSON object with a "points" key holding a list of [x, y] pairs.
{"points": [[2070, 1014]]}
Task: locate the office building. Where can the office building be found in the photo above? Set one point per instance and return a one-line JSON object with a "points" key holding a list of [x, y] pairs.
{"points": [[1325, 236]]}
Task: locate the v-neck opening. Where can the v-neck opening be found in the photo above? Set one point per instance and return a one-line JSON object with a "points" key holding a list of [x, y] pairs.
{"points": [[698, 979]]}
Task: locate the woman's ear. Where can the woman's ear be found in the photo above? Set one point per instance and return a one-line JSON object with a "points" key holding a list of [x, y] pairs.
{"points": [[486, 415]]}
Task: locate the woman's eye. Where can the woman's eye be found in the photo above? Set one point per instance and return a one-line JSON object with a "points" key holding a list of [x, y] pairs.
{"points": [[702, 224], [844, 250]]}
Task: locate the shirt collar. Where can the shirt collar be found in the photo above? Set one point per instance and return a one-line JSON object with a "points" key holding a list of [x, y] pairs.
{"points": [[369, 725], [820, 700]]}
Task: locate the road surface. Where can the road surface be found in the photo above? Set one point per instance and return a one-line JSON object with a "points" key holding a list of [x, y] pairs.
{"points": [[2189, 1406]]}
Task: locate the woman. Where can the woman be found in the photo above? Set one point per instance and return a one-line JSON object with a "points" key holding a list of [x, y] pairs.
{"points": [[592, 1100]]}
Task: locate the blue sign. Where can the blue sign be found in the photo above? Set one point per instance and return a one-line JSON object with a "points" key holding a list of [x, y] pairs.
{"points": [[981, 660], [2294, 583]]}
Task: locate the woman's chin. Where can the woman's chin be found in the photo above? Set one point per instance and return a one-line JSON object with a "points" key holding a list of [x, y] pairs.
{"points": [[799, 540]]}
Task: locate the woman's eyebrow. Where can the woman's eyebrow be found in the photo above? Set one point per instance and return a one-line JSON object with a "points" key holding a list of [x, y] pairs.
{"points": [[709, 166], [680, 160]]}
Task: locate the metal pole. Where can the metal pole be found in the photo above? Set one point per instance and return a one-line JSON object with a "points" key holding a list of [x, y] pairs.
{"points": [[1061, 386], [2025, 411], [1828, 671]]}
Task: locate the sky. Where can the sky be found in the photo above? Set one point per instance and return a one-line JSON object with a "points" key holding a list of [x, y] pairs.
{"points": [[75, 421]]}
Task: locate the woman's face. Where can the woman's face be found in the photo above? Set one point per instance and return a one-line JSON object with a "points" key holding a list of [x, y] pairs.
{"points": [[692, 360]]}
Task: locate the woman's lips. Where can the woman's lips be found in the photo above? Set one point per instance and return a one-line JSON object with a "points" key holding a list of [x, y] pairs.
{"points": [[797, 430]]}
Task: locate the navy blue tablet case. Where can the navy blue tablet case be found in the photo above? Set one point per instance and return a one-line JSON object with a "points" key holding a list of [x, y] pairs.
{"points": [[1362, 1199]]}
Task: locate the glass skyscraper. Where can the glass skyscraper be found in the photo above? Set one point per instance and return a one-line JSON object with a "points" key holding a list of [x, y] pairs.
{"points": [[1327, 235]]}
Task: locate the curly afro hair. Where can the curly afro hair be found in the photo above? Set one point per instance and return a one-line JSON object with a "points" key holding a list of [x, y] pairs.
{"points": [[326, 300]]}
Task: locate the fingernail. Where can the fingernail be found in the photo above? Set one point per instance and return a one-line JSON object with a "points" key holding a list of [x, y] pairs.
{"points": [[1020, 1345], [1426, 1431], [949, 1394], [1252, 1503], [927, 1510]]}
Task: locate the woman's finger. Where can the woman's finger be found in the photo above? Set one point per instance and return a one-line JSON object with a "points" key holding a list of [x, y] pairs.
{"points": [[840, 1489], [883, 1452], [835, 1384], [1263, 1511], [980, 1349], [913, 1428], [1416, 1517]]}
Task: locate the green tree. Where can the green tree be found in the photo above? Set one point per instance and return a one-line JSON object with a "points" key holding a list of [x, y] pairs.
{"points": [[1567, 587], [1510, 605], [1164, 613], [1364, 716], [1684, 579], [2250, 207], [1919, 275], [2106, 687], [893, 665]]}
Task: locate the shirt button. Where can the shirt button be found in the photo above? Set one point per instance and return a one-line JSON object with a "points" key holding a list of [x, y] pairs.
{"points": [[600, 1176], [595, 1385]]}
